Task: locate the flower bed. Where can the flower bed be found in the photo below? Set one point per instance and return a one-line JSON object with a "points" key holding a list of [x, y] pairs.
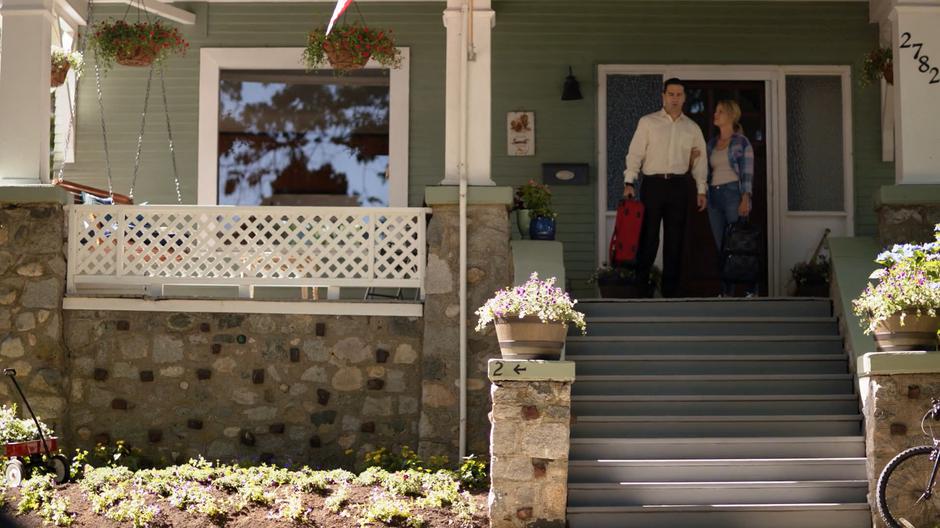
{"points": [[200, 493]]}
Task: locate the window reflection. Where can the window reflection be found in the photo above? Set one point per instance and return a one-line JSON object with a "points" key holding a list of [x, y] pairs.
{"points": [[295, 138]]}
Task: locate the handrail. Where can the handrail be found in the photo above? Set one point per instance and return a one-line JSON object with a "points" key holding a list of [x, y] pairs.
{"points": [[152, 246]]}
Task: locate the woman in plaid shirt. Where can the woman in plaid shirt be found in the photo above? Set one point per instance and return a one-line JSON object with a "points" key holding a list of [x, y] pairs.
{"points": [[730, 177]]}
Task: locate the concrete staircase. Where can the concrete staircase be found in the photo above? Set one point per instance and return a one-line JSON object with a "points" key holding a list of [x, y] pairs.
{"points": [[715, 413]]}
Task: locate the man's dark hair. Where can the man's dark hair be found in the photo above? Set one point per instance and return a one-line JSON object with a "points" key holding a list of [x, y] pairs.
{"points": [[674, 81]]}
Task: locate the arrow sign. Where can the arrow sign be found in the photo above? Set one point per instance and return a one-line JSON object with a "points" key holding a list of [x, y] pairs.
{"points": [[518, 369]]}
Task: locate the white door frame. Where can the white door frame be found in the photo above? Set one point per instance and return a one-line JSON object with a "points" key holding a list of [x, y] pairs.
{"points": [[774, 78]]}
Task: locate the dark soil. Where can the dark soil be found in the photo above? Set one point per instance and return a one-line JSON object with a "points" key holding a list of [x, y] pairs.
{"points": [[256, 517]]}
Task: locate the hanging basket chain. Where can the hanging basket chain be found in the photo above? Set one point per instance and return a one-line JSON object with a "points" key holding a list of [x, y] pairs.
{"points": [[169, 135], [140, 136], [82, 44], [104, 130]]}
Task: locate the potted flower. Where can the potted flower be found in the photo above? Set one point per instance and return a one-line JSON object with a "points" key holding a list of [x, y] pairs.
{"points": [[811, 278], [877, 64], [619, 282], [901, 309], [62, 62], [138, 44], [349, 47], [537, 200], [531, 319]]}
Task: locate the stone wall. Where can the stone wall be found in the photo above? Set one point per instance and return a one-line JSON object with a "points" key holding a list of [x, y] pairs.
{"points": [[898, 224], [489, 268], [893, 407], [32, 281], [529, 453], [316, 389]]}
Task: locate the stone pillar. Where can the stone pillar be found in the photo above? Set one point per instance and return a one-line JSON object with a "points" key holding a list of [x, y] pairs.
{"points": [[473, 96], [907, 213], [531, 423], [916, 101], [489, 268], [32, 283], [24, 90], [896, 390]]}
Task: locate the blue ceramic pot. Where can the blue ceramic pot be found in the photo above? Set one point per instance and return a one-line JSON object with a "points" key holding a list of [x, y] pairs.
{"points": [[542, 228]]}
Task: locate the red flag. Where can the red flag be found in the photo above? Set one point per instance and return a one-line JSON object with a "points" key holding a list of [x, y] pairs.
{"points": [[341, 6]]}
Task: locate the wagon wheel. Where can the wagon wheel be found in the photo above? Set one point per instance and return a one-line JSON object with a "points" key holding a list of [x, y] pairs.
{"points": [[59, 465], [15, 472]]}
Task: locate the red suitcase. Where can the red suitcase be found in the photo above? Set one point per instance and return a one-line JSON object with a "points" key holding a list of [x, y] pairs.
{"points": [[626, 238]]}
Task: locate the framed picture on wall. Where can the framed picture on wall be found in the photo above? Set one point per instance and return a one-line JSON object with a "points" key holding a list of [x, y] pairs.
{"points": [[520, 133]]}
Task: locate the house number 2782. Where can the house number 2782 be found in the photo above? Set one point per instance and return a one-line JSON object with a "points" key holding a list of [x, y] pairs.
{"points": [[923, 61]]}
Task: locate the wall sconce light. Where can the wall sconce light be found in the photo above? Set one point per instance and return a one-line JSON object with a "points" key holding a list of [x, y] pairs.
{"points": [[572, 90]]}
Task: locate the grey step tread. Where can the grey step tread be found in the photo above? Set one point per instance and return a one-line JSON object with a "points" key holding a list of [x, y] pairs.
{"points": [[721, 440], [595, 448], [716, 469], [705, 319], [711, 377], [717, 462], [692, 338], [713, 507], [709, 357], [739, 492], [826, 515], [724, 418], [732, 426], [709, 397], [776, 306], [720, 484]]}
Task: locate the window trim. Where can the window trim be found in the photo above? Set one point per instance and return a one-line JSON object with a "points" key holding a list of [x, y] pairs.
{"points": [[213, 60]]}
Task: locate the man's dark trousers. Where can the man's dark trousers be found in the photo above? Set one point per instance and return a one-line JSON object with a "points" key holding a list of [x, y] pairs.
{"points": [[666, 200]]}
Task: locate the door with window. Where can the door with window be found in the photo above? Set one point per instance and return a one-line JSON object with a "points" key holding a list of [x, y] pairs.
{"points": [[798, 120]]}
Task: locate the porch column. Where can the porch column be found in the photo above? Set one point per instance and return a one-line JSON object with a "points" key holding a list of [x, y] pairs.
{"points": [[916, 90], [468, 91], [24, 90]]}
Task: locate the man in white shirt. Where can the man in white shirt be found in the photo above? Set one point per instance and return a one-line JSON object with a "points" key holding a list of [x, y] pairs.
{"points": [[667, 148]]}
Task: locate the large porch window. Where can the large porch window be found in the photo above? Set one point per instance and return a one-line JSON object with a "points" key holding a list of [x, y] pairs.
{"points": [[271, 133]]}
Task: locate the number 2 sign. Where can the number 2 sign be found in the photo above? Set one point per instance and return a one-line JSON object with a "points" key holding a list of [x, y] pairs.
{"points": [[922, 60]]}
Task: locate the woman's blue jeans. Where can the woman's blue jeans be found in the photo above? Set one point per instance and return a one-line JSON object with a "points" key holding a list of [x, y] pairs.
{"points": [[723, 203]]}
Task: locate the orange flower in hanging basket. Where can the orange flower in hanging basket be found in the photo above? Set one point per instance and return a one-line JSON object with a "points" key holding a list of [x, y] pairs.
{"points": [[139, 44], [350, 47]]}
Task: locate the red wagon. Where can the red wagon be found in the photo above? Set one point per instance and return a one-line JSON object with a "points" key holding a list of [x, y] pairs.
{"points": [[23, 457]]}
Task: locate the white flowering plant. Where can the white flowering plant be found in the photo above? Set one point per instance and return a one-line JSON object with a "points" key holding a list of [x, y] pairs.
{"points": [[535, 298], [14, 429], [909, 283]]}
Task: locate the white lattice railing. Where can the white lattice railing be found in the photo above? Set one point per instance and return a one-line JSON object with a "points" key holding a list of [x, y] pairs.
{"points": [[153, 246]]}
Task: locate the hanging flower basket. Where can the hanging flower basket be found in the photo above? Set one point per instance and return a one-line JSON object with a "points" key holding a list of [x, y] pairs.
{"points": [[62, 62], [877, 64], [349, 47], [139, 44]]}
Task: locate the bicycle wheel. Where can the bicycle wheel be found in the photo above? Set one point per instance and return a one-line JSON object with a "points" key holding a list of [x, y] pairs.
{"points": [[903, 498]]}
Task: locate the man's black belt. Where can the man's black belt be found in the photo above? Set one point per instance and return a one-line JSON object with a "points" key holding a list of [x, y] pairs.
{"points": [[666, 176]]}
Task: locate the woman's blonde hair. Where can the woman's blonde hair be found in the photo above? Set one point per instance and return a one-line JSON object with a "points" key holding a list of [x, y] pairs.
{"points": [[733, 110]]}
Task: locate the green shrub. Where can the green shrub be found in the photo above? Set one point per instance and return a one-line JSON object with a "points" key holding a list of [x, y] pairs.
{"points": [[392, 512], [473, 474]]}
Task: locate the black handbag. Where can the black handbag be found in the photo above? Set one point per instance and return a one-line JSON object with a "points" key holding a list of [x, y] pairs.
{"points": [[740, 252]]}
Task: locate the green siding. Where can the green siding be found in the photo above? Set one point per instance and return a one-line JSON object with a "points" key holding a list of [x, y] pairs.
{"points": [[534, 41], [416, 25]]}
